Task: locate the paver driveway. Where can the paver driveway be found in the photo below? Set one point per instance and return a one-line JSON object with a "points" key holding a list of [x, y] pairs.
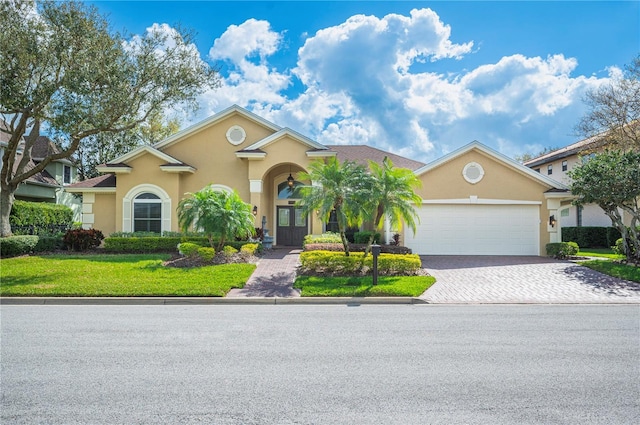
{"points": [[499, 279]]}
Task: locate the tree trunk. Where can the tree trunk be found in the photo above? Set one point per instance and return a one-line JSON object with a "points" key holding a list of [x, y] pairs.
{"points": [[6, 203], [376, 225], [616, 220]]}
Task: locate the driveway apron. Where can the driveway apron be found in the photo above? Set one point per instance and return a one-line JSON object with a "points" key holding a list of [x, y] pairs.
{"points": [[273, 277], [503, 279]]}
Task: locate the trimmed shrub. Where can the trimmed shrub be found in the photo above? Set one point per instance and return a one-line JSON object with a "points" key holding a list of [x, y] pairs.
{"points": [[328, 237], [562, 250], [228, 251], [591, 237], [188, 249], [144, 244], [206, 253], [249, 249], [363, 237], [40, 218], [336, 263], [618, 248], [49, 243], [83, 239], [17, 245]]}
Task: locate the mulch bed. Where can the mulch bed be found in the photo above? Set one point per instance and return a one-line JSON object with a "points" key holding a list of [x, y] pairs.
{"points": [[181, 261]]}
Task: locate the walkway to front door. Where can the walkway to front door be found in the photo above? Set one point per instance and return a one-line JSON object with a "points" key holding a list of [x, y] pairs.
{"points": [[273, 277]]}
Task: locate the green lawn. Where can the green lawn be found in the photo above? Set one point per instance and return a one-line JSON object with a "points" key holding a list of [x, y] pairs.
{"points": [[116, 275], [393, 286], [600, 252], [613, 268]]}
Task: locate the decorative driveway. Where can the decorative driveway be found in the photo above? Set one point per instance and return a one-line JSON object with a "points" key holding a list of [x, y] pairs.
{"points": [[502, 279]]}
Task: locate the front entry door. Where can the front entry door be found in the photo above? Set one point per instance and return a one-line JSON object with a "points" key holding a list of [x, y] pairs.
{"points": [[292, 226]]}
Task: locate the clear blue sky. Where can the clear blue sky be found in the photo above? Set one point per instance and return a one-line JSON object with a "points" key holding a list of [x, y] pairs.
{"points": [[416, 78]]}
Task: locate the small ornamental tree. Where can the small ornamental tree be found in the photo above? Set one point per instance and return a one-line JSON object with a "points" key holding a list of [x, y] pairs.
{"points": [[219, 214], [339, 187], [392, 195], [611, 180]]}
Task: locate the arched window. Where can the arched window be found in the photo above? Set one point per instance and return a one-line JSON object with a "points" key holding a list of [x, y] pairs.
{"points": [[147, 213], [287, 192]]}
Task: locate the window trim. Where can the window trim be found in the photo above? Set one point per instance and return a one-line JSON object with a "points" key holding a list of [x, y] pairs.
{"points": [[66, 181], [549, 169], [128, 206]]}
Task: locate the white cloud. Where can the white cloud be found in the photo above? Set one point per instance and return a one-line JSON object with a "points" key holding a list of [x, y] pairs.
{"points": [[358, 85]]}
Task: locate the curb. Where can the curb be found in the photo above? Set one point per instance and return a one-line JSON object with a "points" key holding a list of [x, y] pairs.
{"points": [[207, 300]]}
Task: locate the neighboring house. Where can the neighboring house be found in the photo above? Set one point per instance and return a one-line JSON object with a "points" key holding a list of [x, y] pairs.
{"points": [[475, 200], [46, 186], [556, 165]]}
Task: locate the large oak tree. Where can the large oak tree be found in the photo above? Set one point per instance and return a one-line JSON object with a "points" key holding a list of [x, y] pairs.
{"points": [[64, 70]]}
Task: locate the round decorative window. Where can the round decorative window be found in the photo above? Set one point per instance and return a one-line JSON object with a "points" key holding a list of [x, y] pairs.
{"points": [[236, 135], [473, 172]]}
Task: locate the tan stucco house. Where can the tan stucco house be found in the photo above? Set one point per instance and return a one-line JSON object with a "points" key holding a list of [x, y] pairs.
{"points": [[475, 200]]}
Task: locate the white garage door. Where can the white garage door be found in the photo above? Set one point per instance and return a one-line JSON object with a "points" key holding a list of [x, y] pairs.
{"points": [[473, 229]]}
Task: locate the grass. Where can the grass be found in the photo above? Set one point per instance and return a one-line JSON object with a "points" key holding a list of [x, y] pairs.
{"points": [[600, 252], [116, 275], [392, 286], [615, 269]]}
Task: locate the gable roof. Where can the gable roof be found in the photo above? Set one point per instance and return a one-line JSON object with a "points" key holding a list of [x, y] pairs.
{"points": [[140, 150], [361, 153], [573, 149], [105, 183], [233, 109], [475, 145], [283, 133]]}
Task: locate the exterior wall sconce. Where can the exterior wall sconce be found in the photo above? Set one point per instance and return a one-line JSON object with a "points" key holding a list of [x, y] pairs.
{"points": [[552, 221], [255, 210]]}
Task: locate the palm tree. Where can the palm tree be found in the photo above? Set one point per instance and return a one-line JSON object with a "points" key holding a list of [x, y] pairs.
{"points": [[217, 213], [392, 194], [338, 187]]}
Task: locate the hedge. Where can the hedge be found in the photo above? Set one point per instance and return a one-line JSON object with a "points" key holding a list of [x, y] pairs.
{"points": [[562, 250], [161, 243], [39, 218], [591, 237], [13, 246], [336, 263]]}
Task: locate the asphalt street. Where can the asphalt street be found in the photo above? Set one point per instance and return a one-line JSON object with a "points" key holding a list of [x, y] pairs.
{"points": [[319, 364]]}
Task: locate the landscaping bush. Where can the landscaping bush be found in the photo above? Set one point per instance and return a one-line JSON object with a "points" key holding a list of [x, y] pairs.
{"points": [[228, 251], [39, 218], [206, 253], [562, 250], [591, 237], [82, 239], [385, 249], [134, 244], [250, 249], [618, 248], [363, 237], [13, 246], [338, 264], [49, 243], [328, 237], [188, 249]]}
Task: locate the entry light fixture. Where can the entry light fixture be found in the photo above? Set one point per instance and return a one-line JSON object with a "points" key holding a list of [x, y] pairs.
{"points": [[255, 210], [552, 221], [290, 179]]}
